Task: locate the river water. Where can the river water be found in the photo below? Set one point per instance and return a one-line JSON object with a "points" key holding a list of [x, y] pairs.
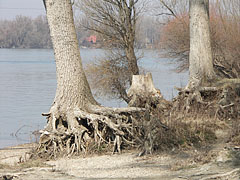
{"points": [[28, 84]]}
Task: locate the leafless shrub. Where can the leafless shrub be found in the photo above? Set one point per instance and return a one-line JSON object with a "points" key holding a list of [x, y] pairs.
{"points": [[110, 76], [115, 24], [175, 41]]}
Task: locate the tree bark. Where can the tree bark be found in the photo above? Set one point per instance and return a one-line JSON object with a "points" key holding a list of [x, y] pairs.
{"points": [[200, 57], [142, 90], [130, 36], [73, 90], [132, 60]]}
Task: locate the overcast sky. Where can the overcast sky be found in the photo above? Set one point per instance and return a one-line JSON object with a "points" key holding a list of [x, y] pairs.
{"points": [[10, 8]]}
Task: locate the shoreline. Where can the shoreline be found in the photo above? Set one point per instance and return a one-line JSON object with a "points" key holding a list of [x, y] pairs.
{"points": [[12, 141], [127, 165], [11, 155], [13, 145], [19, 146]]}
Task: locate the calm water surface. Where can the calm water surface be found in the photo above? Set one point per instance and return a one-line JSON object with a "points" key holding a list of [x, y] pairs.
{"points": [[28, 84]]}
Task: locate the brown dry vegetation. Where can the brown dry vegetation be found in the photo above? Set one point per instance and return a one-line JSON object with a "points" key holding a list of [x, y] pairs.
{"points": [[188, 122], [217, 106], [110, 76], [225, 38]]}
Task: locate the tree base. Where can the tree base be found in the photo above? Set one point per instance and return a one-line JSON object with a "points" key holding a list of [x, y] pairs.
{"points": [[101, 130]]}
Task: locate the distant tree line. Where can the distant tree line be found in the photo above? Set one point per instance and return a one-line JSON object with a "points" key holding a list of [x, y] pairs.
{"points": [[27, 32]]}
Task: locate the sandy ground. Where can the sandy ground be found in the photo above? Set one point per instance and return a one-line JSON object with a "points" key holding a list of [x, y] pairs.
{"points": [[124, 166]]}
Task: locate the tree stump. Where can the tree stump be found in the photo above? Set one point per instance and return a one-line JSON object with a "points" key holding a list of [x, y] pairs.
{"points": [[142, 91]]}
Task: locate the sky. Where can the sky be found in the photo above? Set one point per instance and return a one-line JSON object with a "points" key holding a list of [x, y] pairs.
{"points": [[9, 9]]}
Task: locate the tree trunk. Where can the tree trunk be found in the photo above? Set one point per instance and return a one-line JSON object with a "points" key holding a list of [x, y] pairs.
{"points": [[73, 90], [76, 121], [200, 57], [142, 91], [132, 60], [129, 37]]}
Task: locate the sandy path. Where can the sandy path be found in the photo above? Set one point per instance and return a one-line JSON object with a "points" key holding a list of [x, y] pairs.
{"points": [[124, 166]]}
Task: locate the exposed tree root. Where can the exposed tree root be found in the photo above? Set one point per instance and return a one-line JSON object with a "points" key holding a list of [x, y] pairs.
{"points": [[143, 94], [151, 124], [204, 110], [102, 129]]}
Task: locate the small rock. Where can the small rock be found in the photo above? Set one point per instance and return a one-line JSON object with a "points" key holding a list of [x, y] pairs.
{"points": [[223, 156]]}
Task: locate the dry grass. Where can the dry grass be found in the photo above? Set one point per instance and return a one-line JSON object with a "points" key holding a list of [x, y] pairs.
{"points": [[4, 166], [192, 123], [188, 132]]}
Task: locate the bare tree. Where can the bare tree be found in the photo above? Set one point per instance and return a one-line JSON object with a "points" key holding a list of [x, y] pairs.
{"points": [[148, 32], [39, 37], [172, 8], [72, 86], [75, 119], [115, 21], [109, 76], [227, 35], [14, 33], [200, 54], [24, 32]]}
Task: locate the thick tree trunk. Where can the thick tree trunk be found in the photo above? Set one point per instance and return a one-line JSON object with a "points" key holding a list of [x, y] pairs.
{"points": [[72, 87], [200, 57], [75, 119]]}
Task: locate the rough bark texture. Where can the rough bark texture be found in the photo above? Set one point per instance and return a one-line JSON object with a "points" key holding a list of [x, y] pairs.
{"points": [[132, 60], [200, 57], [142, 90], [129, 37], [72, 87]]}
